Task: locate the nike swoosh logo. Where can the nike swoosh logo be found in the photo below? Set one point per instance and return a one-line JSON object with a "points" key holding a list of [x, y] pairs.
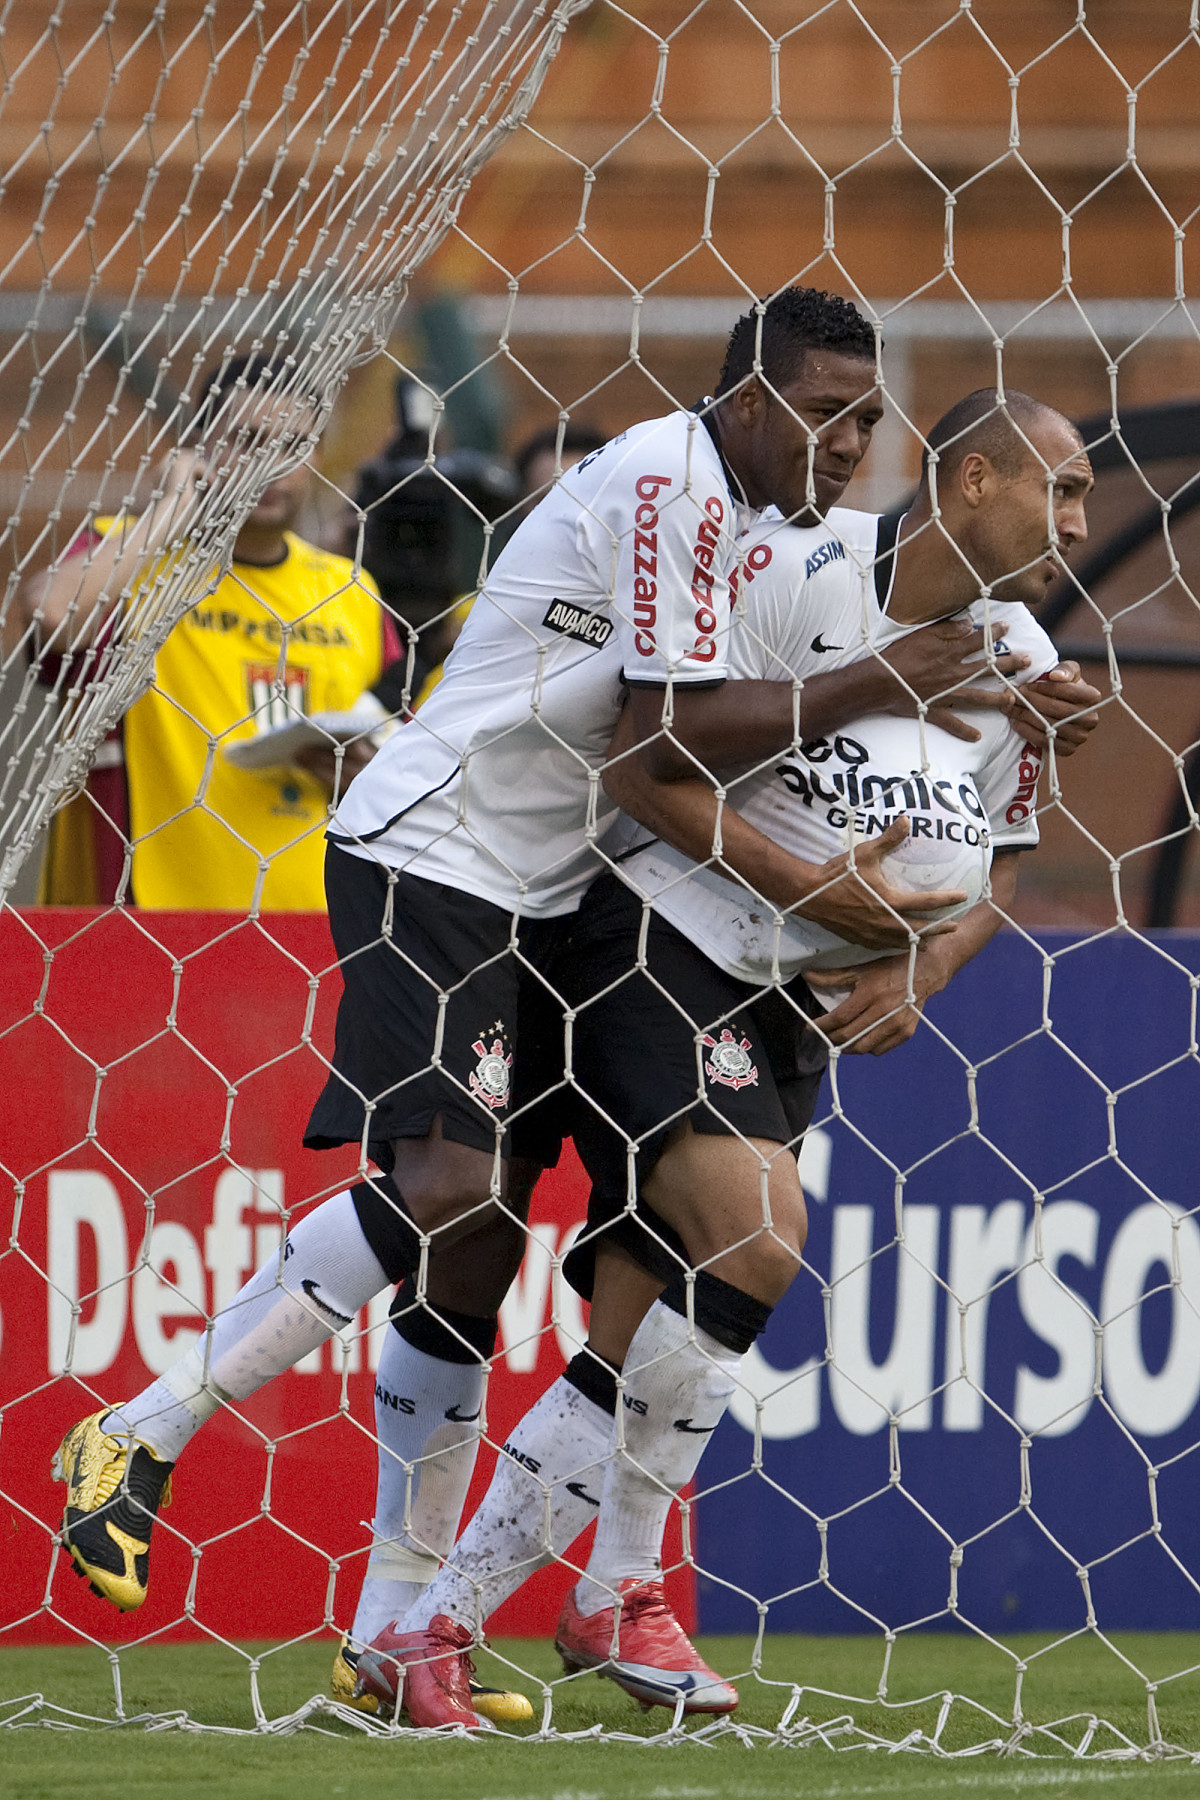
{"points": [[310, 1288], [700, 1430], [821, 648], [668, 1681], [580, 1492], [452, 1412]]}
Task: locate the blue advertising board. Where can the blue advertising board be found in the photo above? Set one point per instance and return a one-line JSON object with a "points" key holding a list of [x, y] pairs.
{"points": [[998, 1417]]}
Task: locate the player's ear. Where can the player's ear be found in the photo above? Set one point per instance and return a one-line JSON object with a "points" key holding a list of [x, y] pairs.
{"points": [[748, 401], [975, 478]]}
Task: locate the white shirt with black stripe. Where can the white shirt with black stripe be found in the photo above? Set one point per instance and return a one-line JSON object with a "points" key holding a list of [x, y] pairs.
{"points": [[620, 573], [813, 600]]}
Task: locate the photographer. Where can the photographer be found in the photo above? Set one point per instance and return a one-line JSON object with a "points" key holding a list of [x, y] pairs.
{"points": [[424, 520]]}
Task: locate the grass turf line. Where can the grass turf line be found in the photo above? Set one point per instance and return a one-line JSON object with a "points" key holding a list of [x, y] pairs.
{"points": [[211, 1683]]}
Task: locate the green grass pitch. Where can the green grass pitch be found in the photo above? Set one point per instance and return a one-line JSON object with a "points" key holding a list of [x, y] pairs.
{"points": [[210, 1682]]}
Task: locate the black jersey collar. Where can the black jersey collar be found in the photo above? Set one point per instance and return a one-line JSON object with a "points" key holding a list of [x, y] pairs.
{"points": [[887, 533], [706, 410]]}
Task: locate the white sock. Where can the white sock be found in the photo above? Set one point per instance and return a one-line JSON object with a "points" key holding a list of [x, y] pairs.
{"points": [[545, 1491], [427, 1423], [288, 1308], [678, 1382]]}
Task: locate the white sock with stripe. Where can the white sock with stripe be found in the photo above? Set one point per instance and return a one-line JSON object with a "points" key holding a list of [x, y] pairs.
{"points": [[327, 1272]]}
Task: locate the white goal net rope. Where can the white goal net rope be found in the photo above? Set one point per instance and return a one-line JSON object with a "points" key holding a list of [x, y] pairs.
{"points": [[1000, 1305], [363, 178]]}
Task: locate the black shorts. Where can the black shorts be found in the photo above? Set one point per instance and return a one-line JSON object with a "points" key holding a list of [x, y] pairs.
{"points": [[441, 1017], [679, 1041]]}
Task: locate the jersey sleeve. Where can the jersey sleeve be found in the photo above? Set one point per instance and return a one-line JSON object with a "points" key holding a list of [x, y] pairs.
{"points": [[1009, 780], [771, 605], [798, 597], [1008, 788], [671, 521]]}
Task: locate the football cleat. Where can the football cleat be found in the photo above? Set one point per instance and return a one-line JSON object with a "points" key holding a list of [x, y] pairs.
{"points": [[426, 1674], [655, 1660], [500, 1705], [112, 1501], [344, 1679]]}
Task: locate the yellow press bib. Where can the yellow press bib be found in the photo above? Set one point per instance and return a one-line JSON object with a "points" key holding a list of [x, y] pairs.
{"points": [[303, 636]]}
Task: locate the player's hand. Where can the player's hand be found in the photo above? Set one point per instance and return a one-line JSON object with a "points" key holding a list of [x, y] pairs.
{"points": [[862, 906], [885, 1002], [1058, 698], [935, 663], [322, 761]]}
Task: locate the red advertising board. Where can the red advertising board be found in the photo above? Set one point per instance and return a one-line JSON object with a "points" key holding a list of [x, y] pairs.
{"points": [[157, 1070]]}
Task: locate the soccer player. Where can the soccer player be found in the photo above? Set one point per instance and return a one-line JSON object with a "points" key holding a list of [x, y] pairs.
{"points": [[679, 1297], [454, 861], [289, 630]]}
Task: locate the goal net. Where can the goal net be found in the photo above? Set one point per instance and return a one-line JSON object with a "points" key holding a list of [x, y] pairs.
{"points": [[326, 266]]}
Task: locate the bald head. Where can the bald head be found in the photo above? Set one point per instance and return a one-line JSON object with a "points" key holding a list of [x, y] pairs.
{"points": [[998, 426], [1012, 481]]}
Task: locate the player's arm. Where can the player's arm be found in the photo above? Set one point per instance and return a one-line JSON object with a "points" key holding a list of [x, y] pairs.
{"points": [[70, 602], [684, 731], [888, 996], [672, 609], [856, 903]]}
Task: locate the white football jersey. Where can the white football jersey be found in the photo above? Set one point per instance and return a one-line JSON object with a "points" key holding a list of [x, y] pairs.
{"points": [[813, 600], [622, 571]]}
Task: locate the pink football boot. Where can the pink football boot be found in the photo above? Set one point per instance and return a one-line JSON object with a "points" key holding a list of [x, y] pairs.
{"points": [[426, 1674], [655, 1662]]}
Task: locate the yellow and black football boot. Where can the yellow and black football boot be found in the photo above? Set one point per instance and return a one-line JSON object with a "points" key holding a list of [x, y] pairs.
{"points": [[112, 1501], [500, 1705]]}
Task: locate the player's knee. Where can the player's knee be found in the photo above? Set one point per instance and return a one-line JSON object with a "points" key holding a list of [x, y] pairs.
{"points": [[476, 1270], [444, 1185], [790, 1221], [766, 1258], [441, 1331], [768, 1266], [777, 1244]]}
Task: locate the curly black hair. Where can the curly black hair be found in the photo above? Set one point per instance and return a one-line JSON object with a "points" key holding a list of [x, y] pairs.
{"points": [[794, 321]]}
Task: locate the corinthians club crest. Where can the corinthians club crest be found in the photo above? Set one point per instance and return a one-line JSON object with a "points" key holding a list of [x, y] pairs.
{"points": [[729, 1062], [490, 1078]]}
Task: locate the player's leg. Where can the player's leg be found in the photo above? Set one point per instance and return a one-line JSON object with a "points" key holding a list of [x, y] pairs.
{"points": [[544, 1493], [714, 1088], [403, 946], [643, 1058], [678, 1376], [548, 1481], [117, 1464], [546, 1488], [422, 1477], [429, 1392]]}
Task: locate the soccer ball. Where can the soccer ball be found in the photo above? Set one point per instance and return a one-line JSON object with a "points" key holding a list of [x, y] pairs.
{"points": [[927, 864], [923, 864]]}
